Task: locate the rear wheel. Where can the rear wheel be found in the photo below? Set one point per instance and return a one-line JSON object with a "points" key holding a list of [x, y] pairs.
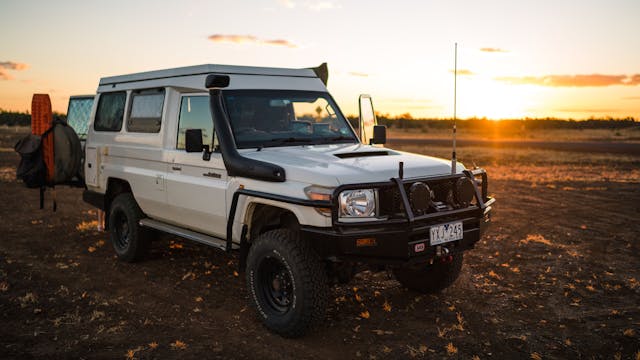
{"points": [[130, 240], [287, 283], [433, 278]]}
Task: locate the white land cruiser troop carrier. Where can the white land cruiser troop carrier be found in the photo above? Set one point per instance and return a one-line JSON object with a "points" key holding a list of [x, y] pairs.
{"points": [[261, 161]]}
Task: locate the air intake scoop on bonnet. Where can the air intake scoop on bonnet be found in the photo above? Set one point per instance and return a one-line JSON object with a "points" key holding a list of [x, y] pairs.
{"points": [[362, 154]]}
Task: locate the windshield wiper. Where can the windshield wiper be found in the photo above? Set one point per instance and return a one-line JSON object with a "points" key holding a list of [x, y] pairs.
{"points": [[339, 138], [282, 141]]}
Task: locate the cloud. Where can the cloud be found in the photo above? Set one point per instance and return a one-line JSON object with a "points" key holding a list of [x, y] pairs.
{"points": [[593, 80], [463, 72], [241, 39], [279, 42], [493, 50], [10, 65], [359, 74], [631, 98]]}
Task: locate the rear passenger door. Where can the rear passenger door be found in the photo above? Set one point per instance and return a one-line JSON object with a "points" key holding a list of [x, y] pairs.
{"points": [[196, 188]]}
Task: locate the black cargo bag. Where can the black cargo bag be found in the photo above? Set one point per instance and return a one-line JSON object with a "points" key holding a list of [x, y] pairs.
{"points": [[32, 169]]}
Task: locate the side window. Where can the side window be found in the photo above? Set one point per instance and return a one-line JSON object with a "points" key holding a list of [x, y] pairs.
{"points": [[146, 111], [110, 111], [195, 114]]}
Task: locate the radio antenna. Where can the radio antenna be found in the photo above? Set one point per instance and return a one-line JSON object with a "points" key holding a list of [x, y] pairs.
{"points": [[455, 79]]}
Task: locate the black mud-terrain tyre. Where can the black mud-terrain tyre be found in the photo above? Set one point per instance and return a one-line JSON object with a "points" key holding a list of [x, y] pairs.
{"points": [[287, 283], [429, 279], [129, 239]]}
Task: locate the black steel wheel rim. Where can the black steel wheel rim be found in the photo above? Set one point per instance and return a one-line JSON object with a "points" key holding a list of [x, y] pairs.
{"points": [[123, 232], [276, 285]]}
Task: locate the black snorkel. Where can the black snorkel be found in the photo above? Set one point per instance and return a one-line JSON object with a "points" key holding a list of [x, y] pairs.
{"points": [[236, 164]]}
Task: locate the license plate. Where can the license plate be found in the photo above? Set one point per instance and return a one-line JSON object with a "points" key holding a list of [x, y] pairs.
{"points": [[444, 233]]}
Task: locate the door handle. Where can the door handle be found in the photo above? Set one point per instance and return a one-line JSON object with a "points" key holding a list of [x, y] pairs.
{"points": [[176, 168]]}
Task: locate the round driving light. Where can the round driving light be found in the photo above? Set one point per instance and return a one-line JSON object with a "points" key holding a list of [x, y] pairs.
{"points": [[420, 197], [464, 191]]}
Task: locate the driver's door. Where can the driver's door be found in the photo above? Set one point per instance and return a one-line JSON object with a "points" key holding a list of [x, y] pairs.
{"points": [[196, 189]]}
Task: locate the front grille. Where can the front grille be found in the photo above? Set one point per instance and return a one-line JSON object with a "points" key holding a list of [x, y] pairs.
{"points": [[391, 204]]}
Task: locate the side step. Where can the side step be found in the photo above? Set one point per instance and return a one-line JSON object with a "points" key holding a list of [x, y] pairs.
{"points": [[187, 234]]}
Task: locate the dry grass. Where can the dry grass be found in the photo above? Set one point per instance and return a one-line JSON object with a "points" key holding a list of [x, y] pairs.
{"points": [[496, 132], [541, 166]]}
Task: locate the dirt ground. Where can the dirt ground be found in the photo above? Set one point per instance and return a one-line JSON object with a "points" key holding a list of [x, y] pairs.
{"points": [[557, 276]]}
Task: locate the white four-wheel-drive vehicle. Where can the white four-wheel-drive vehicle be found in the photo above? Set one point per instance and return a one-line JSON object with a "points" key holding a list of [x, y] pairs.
{"points": [[261, 161]]}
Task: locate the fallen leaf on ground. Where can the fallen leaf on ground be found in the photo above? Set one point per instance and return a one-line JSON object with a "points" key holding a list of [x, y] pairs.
{"points": [[536, 238], [131, 353], [153, 345], [365, 314], [629, 332], [382, 332], [87, 226], [199, 299], [91, 249], [386, 306], [451, 350], [175, 246], [536, 356], [189, 274], [178, 345]]}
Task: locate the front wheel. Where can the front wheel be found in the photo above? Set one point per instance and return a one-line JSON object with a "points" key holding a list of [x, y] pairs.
{"points": [[432, 278], [287, 283]]}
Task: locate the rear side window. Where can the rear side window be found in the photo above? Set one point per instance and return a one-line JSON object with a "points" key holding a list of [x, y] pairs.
{"points": [[79, 114], [195, 114], [146, 111], [110, 111]]}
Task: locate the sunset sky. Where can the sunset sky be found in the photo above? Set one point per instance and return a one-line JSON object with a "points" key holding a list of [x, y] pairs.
{"points": [[566, 59]]}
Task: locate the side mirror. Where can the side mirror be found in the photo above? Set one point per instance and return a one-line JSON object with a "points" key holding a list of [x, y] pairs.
{"points": [[379, 134], [367, 119], [193, 140]]}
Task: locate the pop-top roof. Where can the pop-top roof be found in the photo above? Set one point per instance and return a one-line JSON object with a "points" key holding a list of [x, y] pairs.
{"points": [[207, 69]]}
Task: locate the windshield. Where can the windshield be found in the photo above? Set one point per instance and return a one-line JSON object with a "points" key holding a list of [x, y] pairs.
{"points": [[266, 118]]}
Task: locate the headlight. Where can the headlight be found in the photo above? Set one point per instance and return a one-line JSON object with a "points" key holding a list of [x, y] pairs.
{"points": [[358, 203]]}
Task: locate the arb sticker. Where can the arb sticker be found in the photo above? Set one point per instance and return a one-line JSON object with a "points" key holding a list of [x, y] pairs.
{"points": [[419, 247]]}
